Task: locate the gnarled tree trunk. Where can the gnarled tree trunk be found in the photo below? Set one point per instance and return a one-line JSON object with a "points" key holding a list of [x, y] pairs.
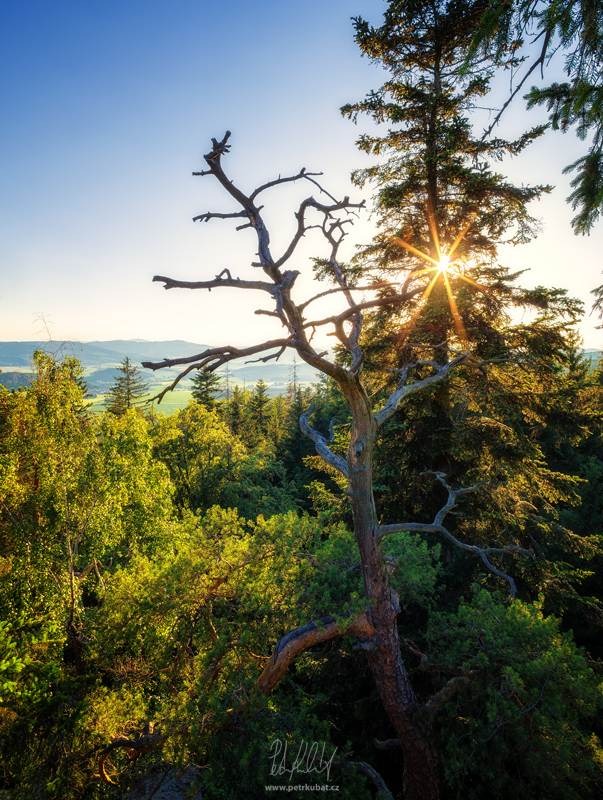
{"points": [[420, 778]]}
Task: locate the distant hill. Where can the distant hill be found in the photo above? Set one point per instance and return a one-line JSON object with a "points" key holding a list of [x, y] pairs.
{"points": [[14, 380], [594, 356], [139, 350], [107, 355], [93, 354]]}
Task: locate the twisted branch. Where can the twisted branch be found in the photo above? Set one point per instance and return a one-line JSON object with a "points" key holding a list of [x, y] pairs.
{"points": [[437, 527], [402, 390], [300, 639], [310, 202], [382, 791]]}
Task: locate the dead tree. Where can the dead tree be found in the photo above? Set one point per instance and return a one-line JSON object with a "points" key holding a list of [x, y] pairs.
{"points": [[376, 629]]}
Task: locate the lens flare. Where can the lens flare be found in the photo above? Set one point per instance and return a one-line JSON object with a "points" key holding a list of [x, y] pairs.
{"points": [[440, 268]]}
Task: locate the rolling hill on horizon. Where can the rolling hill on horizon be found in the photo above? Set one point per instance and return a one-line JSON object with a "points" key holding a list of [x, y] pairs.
{"points": [[101, 358], [98, 353]]}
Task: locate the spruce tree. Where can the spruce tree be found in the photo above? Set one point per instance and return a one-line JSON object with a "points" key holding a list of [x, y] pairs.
{"points": [[235, 412], [444, 212], [260, 409], [128, 389], [206, 385]]}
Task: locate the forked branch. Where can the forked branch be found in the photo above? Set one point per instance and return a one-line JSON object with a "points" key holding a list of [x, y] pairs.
{"points": [[437, 527], [404, 390], [213, 359], [321, 444], [388, 300]]}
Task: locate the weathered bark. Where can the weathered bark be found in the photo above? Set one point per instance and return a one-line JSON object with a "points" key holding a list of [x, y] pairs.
{"points": [[420, 777], [294, 643]]}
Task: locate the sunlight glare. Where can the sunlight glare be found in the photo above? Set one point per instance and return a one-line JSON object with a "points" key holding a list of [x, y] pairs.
{"points": [[444, 263]]}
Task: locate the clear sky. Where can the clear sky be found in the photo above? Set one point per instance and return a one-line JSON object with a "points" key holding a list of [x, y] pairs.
{"points": [[107, 109]]}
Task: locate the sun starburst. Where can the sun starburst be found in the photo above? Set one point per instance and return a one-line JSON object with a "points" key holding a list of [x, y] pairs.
{"points": [[441, 266]]}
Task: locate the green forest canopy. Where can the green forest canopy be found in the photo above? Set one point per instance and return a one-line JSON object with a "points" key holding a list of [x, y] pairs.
{"points": [[180, 592]]}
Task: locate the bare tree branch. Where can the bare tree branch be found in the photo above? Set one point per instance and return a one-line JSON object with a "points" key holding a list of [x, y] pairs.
{"points": [[216, 215], [274, 356], [310, 202], [237, 283], [213, 358], [388, 744], [437, 527], [299, 640], [368, 288], [389, 300], [250, 210], [301, 174], [321, 444], [445, 695], [404, 390]]}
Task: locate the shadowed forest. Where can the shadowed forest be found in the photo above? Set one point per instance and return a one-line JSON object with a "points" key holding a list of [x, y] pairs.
{"points": [[386, 584]]}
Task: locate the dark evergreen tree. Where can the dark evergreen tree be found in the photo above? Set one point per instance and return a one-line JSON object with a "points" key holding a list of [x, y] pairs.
{"points": [[235, 412], [259, 410], [445, 212], [127, 391], [206, 385]]}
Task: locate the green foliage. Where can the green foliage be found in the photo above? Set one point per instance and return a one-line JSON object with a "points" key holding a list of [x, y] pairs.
{"points": [[75, 492], [180, 635], [209, 464], [520, 727], [176, 620], [416, 581], [128, 389], [28, 659]]}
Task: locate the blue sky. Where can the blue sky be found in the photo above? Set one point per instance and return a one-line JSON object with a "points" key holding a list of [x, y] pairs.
{"points": [[107, 109]]}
